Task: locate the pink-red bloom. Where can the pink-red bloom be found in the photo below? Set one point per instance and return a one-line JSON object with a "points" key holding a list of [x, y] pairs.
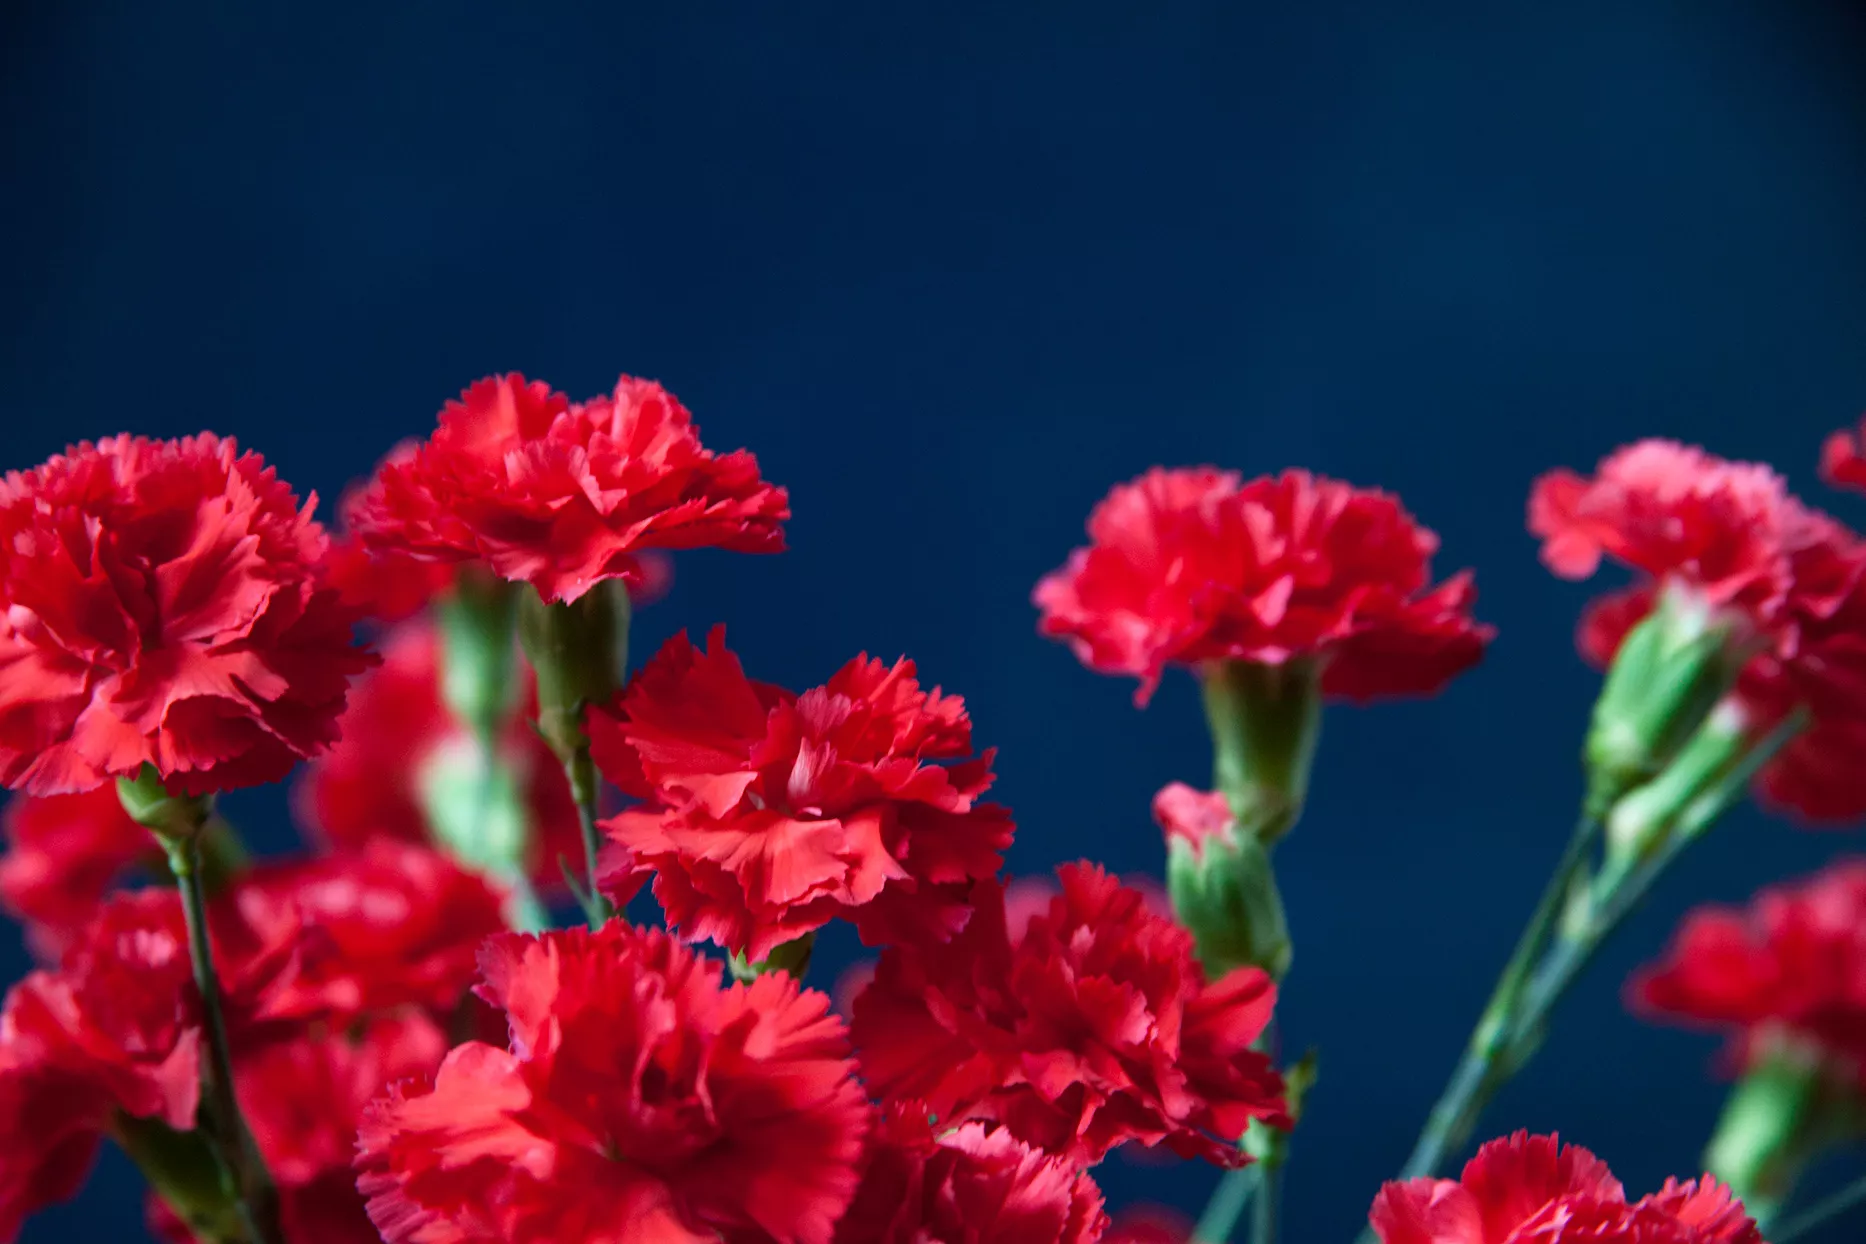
{"points": [[1843, 458], [1533, 1190], [1095, 1028], [565, 495], [767, 814], [1790, 965], [63, 854], [391, 925], [640, 1100], [1732, 539], [398, 737], [1195, 565], [971, 1185], [159, 605]]}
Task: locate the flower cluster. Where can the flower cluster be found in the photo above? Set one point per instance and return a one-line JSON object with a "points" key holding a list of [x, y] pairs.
{"points": [[381, 1037]]}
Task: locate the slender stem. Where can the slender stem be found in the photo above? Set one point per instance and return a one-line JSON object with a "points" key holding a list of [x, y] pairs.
{"points": [[583, 788], [1821, 1212], [1476, 1078], [239, 1155], [1227, 1205], [1267, 1204]]}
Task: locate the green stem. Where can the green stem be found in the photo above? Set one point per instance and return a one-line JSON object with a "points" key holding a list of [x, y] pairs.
{"points": [[1233, 1193], [1822, 1212], [257, 1195], [1476, 1076], [581, 771], [1267, 1204]]}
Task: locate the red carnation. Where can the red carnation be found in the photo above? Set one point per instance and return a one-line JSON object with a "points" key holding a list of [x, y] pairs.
{"points": [[640, 1101], [1843, 458], [51, 1124], [769, 814], [161, 608], [972, 1185], [64, 853], [1729, 537], [391, 925], [564, 495], [1096, 1027], [1792, 964], [1532, 1190], [1192, 565], [399, 737]]}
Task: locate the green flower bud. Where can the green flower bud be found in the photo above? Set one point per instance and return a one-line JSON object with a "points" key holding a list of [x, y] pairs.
{"points": [[1668, 675], [1221, 883]]}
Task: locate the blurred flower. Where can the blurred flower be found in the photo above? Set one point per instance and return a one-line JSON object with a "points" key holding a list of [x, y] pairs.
{"points": [[64, 853], [1531, 1188], [388, 926], [970, 1185], [1096, 1028], [1781, 587], [1194, 565], [566, 495], [1843, 458], [1149, 1224], [640, 1100], [161, 608], [769, 814], [304, 1098], [402, 750]]}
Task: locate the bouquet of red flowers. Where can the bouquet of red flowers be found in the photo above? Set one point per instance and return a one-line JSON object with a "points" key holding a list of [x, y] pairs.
{"points": [[386, 1038]]}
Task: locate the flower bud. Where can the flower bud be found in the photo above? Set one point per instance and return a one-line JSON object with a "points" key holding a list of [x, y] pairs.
{"points": [[1221, 883], [1789, 1106], [1669, 672], [1264, 720]]}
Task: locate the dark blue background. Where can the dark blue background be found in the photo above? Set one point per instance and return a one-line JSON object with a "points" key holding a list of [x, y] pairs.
{"points": [[951, 271]]}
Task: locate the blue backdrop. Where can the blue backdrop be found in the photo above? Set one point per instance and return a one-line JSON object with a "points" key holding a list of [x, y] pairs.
{"points": [[951, 271]]}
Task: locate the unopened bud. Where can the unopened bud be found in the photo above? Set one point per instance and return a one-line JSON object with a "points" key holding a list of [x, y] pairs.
{"points": [[1222, 886], [1668, 674]]}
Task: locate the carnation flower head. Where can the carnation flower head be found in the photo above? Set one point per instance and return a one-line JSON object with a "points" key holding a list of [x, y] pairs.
{"points": [[1729, 540], [1194, 565], [639, 1100], [399, 739], [1791, 964], [391, 925], [63, 854], [565, 495], [160, 605], [1095, 1028], [1534, 1190], [972, 1184], [767, 814]]}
